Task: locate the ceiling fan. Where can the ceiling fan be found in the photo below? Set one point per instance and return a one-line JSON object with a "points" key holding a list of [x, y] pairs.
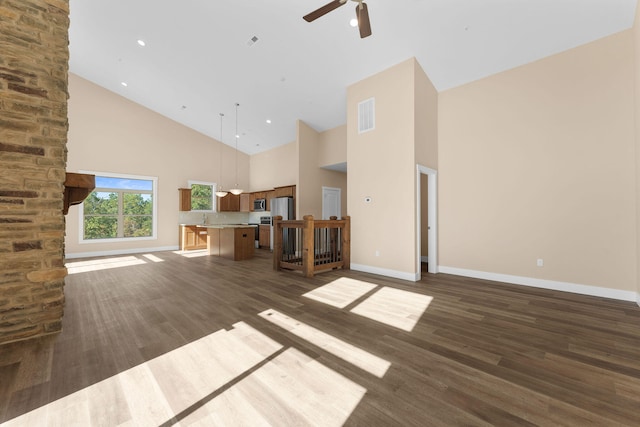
{"points": [[362, 14]]}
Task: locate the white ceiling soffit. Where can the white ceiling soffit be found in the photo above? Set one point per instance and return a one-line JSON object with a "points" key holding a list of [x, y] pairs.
{"points": [[338, 167], [200, 58]]}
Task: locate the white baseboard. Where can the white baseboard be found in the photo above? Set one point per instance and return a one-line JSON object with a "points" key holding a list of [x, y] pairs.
{"points": [[545, 284], [424, 259], [413, 277], [638, 299], [120, 252]]}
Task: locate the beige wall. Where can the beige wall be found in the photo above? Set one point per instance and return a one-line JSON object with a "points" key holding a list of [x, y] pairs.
{"points": [[333, 146], [382, 166], [426, 119], [108, 133], [426, 143], [539, 162], [312, 178], [636, 73], [274, 168]]}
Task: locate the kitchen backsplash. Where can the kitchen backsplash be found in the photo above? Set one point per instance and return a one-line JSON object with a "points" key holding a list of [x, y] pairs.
{"points": [[214, 218]]}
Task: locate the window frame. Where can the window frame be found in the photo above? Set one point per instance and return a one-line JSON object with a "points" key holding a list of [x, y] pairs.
{"points": [[154, 214], [214, 202]]}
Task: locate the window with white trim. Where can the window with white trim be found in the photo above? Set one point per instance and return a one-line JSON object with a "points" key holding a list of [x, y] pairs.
{"points": [[121, 207], [203, 196]]}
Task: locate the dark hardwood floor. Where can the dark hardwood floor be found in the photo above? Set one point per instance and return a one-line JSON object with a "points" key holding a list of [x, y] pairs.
{"points": [[483, 353]]}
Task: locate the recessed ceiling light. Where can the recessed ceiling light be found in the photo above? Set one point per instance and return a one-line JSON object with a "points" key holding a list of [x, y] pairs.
{"points": [[353, 22], [124, 84], [142, 43], [268, 121]]}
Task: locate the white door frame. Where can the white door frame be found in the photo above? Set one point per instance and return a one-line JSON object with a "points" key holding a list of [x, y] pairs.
{"points": [[432, 219], [339, 190]]}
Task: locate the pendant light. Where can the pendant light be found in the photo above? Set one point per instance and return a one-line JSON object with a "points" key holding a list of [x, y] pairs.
{"points": [[237, 190], [220, 192]]}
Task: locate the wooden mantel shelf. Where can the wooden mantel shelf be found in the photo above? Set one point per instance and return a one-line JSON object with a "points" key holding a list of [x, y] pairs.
{"points": [[77, 186]]}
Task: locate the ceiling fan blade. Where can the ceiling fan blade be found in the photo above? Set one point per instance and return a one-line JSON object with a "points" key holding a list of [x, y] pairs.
{"points": [[323, 10], [363, 20]]}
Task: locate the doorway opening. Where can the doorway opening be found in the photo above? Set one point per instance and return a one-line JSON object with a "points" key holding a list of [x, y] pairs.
{"points": [[431, 231]]}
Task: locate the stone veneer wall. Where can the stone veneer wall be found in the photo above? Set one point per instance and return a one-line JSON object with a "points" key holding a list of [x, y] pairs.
{"points": [[34, 58]]}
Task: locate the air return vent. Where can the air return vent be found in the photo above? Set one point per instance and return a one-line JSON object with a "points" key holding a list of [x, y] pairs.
{"points": [[367, 115]]}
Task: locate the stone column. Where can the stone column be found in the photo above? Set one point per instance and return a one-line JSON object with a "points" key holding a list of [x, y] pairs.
{"points": [[34, 60]]}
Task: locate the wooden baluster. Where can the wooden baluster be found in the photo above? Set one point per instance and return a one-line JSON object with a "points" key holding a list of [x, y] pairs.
{"points": [[277, 242], [307, 246], [346, 243], [334, 240]]}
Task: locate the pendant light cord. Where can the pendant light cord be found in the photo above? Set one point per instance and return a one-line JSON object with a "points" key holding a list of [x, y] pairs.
{"points": [[237, 105]]}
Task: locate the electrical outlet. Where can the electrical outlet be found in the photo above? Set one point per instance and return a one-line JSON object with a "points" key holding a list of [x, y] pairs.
{"points": [[377, 253], [540, 262]]}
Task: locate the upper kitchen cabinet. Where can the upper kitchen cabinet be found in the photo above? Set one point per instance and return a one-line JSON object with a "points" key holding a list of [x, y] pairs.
{"points": [[229, 203], [269, 195], [245, 202], [184, 196], [287, 191]]}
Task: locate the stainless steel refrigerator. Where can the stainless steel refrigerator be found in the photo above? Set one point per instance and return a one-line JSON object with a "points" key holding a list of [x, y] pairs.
{"points": [[282, 206]]}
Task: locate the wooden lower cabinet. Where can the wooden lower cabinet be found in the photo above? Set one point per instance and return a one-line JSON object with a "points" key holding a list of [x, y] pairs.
{"points": [[237, 243], [192, 238], [264, 236], [213, 241]]}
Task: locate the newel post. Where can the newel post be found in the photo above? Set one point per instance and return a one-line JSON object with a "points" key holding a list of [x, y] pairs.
{"points": [[307, 246], [346, 243], [277, 242]]}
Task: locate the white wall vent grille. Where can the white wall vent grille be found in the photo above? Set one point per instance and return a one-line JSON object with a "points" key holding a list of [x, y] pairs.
{"points": [[367, 115]]}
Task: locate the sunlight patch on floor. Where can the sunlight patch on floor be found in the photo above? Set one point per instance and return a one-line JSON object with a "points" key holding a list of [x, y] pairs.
{"points": [[192, 254], [292, 389], [341, 292], [347, 352], [153, 258], [394, 307], [230, 377], [102, 264]]}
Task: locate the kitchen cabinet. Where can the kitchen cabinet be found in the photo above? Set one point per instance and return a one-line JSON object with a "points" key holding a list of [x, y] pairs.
{"points": [[184, 199], [244, 202], [237, 243], [287, 191], [269, 195], [264, 236], [255, 195], [213, 241], [192, 237], [232, 203], [229, 203]]}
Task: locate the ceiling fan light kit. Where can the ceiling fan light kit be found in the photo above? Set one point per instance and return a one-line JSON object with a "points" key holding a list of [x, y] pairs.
{"points": [[362, 15]]}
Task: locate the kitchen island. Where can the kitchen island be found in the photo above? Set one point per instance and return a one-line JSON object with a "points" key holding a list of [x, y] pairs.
{"points": [[231, 241]]}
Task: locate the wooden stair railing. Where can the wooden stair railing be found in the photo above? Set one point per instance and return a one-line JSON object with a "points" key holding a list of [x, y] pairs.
{"points": [[311, 245]]}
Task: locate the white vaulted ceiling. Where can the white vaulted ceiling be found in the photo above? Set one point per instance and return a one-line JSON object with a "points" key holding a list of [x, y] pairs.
{"points": [[197, 61]]}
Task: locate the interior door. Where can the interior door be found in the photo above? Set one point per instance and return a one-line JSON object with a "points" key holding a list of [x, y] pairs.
{"points": [[331, 205]]}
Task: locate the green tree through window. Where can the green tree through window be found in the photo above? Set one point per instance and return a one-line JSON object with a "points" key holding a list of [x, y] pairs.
{"points": [[201, 197], [119, 208]]}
